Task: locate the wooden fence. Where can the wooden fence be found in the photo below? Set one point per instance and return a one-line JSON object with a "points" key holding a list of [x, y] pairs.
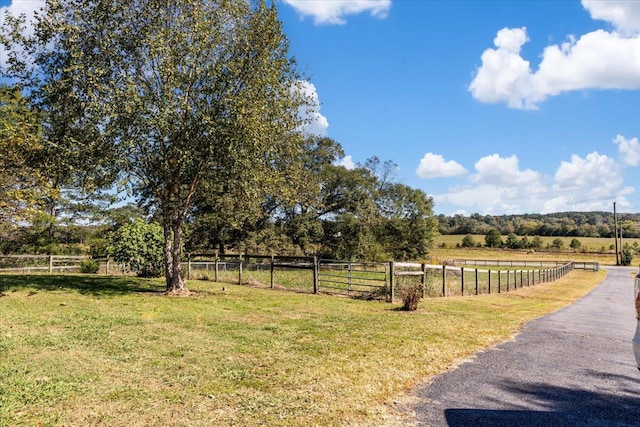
{"points": [[297, 273], [354, 279], [447, 280], [524, 263], [56, 264]]}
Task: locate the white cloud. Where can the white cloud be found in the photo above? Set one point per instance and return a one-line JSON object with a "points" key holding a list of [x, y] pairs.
{"points": [[499, 186], [629, 150], [624, 15], [596, 60], [334, 11], [498, 170], [486, 199], [318, 123], [596, 171], [347, 162], [435, 166]]}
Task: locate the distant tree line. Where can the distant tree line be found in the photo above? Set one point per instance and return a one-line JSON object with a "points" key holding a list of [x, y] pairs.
{"points": [[563, 224]]}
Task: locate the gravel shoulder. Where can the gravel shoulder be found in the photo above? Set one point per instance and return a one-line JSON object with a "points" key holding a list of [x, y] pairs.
{"points": [[573, 367]]}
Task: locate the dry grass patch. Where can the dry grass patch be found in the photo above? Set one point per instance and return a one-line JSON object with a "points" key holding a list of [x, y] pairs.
{"points": [[79, 350]]}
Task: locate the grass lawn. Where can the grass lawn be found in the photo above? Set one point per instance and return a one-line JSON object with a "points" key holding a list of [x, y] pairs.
{"points": [[82, 350]]}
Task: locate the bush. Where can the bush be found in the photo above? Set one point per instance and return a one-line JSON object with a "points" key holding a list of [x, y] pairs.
{"points": [[411, 296], [468, 241], [493, 239], [557, 244], [89, 266], [575, 244], [140, 245], [627, 255]]}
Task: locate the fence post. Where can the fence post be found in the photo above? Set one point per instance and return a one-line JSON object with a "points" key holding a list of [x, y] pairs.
{"points": [[508, 274], [272, 272], [316, 266], [489, 282], [189, 266], [391, 281], [424, 280], [533, 278], [444, 280], [216, 268], [50, 263], [240, 269], [499, 277], [521, 278], [462, 280], [106, 268], [476, 281]]}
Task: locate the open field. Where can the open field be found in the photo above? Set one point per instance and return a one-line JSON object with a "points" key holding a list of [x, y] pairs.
{"points": [[113, 351], [591, 250]]}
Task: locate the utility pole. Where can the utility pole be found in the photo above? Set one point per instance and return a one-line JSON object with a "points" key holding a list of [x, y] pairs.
{"points": [[615, 234]]}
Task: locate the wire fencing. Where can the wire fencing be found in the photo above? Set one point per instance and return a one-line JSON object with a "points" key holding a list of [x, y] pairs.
{"points": [[366, 280]]}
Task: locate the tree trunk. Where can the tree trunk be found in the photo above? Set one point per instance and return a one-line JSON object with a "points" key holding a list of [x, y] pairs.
{"points": [[178, 284], [168, 257], [172, 251]]}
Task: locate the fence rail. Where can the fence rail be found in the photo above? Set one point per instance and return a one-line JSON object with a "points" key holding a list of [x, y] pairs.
{"points": [[447, 280], [358, 279], [354, 279], [56, 263], [524, 263]]}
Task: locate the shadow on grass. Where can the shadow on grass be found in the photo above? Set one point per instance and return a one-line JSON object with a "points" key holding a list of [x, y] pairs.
{"points": [[84, 284]]}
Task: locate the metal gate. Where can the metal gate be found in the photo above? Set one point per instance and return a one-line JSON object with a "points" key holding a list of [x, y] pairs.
{"points": [[367, 280]]}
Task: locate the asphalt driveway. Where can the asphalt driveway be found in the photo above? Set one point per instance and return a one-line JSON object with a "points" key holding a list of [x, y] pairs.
{"points": [[574, 367]]}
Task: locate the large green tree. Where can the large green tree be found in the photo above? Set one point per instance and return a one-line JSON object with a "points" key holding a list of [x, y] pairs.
{"points": [[22, 186], [167, 93]]}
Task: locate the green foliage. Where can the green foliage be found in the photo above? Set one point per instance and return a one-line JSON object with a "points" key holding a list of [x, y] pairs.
{"points": [[537, 242], [407, 230], [565, 224], [22, 186], [557, 244], [468, 241], [139, 245], [627, 255], [89, 266], [493, 239], [512, 241], [170, 94], [575, 244]]}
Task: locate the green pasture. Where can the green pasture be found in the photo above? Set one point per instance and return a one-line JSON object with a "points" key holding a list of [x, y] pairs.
{"points": [[79, 350], [591, 250], [588, 244]]}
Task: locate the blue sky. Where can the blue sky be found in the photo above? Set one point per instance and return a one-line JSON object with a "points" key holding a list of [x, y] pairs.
{"points": [[445, 91], [494, 107]]}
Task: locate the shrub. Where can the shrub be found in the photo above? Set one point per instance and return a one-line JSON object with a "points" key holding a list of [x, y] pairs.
{"points": [[411, 295], [468, 241], [627, 255], [89, 266], [493, 239], [140, 245], [557, 244], [512, 241], [575, 244]]}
